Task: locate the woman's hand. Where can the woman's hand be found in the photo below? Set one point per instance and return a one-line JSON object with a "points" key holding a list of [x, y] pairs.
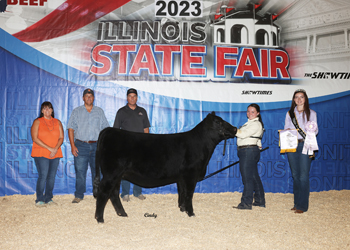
{"points": [[53, 152]]}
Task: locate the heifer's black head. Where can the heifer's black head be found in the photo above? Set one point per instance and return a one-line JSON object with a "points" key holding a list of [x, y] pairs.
{"points": [[224, 129]]}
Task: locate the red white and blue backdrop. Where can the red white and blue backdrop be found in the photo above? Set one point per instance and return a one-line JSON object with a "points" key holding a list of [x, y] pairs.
{"points": [[186, 59]]}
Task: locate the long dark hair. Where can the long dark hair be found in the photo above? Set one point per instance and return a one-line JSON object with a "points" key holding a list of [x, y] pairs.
{"points": [[306, 104], [44, 105], [257, 107]]}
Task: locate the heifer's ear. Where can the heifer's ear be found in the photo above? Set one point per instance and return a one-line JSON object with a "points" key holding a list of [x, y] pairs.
{"points": [[213, 112]]}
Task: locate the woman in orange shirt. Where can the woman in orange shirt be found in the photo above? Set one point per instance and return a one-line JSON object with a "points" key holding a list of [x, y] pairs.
{"points": [[47, 135]]}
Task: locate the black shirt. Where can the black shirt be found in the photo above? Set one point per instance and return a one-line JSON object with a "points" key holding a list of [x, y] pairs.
{"points": [[134, 120]]}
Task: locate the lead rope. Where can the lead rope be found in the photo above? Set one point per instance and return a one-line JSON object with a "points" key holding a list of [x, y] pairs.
{"points": [[223, 153], [220, 170]]}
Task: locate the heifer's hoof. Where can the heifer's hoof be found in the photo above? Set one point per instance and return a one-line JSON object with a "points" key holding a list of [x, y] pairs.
{"points": [[190, 214], [182, 209], [100, 220], [122, 214]]}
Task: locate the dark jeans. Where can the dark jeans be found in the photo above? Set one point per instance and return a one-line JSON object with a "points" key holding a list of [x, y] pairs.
{"points": [[86, 156], [300, 166], [253, 188], [137, 190], [47, 169]]}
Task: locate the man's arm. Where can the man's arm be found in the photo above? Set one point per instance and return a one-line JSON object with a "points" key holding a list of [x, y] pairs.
{"points": [[72, 144], [117, 121], [104, 123], [146, 123]]}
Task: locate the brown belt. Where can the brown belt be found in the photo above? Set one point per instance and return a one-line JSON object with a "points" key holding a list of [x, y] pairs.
{"points": [[247, 146], [300, 140], [87, 141]]}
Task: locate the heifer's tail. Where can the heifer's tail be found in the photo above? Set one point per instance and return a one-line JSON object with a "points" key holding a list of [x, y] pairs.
{"points": [[98, 171]]}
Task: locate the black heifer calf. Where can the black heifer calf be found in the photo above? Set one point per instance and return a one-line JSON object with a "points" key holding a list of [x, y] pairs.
{"points": [[153, 160]]}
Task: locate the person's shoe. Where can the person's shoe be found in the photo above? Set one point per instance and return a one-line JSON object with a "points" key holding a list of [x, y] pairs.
{"points": [[299, 211], [40, 204], [293, 208], [141, 197], [76, 200], [243, 206], [52, 203], [126, 198], [259, 205]]}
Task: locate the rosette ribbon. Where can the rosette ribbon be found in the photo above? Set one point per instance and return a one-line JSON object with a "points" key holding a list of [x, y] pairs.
{"points": [[310, 144]]}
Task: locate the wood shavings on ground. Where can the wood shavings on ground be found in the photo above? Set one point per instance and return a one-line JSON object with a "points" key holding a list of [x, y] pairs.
{"points": [[216, 225]]}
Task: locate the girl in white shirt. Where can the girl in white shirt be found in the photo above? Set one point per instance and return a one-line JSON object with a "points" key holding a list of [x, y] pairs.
{"points": [[249, 145]]}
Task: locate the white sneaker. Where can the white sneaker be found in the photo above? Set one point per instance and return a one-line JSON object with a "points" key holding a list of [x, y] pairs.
{"points": [[141, 197], [126, 198], [40, 204], [52, 203]]}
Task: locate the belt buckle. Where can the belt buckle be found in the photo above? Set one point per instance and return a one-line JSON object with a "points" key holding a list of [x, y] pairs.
{"points": [[88, 142]]}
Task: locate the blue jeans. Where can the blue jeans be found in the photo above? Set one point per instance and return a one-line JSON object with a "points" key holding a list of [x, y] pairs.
{"points": [[47, 169], [253, 188], [86, 155], [300, 166], [137, 190]]}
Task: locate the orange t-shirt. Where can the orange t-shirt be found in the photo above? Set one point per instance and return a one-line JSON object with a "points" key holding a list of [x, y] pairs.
{"points": [[48, 133]]}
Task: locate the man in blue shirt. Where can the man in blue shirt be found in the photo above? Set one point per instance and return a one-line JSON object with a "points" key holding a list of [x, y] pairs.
{"points": [[132, 118], [84, 126]]}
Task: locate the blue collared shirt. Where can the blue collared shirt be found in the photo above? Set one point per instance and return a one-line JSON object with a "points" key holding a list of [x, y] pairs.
{"points": [[87, 126]]}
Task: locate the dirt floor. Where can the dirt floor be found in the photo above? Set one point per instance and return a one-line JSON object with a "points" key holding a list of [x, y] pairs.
{"points": [[216, 225]]}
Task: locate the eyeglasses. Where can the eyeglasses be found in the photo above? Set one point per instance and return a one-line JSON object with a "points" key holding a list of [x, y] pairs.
{"points": [[300, 90]]}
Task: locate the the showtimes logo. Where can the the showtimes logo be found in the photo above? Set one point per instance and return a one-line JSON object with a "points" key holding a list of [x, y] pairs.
{"points": [[328, 75], [256, 92]]}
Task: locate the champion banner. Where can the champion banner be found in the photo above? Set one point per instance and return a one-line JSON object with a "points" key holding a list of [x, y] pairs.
{"points": [[186, 59]]}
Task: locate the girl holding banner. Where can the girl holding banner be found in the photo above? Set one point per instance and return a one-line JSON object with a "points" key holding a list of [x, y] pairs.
{"points": [[303, 119]]}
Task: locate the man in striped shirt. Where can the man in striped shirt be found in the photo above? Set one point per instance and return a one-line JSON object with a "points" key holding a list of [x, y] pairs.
{"points": [[84, 126]]}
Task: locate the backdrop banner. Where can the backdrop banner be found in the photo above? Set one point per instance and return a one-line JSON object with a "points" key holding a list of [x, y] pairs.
{"points": [[186, 59]]}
